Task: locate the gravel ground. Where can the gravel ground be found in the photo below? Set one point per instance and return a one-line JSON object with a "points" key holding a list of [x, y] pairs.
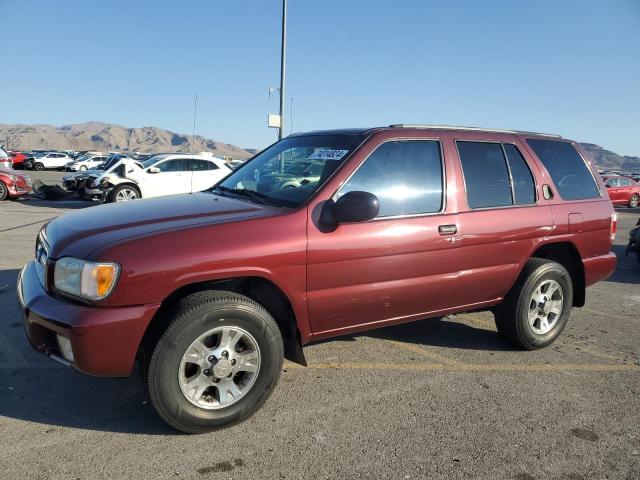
{"points": [[440, 398]]}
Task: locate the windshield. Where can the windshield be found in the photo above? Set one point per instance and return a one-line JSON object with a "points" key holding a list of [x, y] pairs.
{"points": [[151, 161], [290, 171], [82, 158]]}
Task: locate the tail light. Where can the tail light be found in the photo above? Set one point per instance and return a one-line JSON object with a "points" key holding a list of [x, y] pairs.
{"points": [[614, 226]]}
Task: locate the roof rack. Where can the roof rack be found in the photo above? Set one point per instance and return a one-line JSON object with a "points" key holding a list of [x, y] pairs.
{"points": [[471, 129]]}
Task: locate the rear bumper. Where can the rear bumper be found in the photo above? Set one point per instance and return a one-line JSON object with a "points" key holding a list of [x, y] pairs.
{"points": [[105, 341], [599, 268]]}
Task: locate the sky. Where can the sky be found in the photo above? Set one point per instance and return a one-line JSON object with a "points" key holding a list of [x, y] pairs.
{"points": [[561, 66]]}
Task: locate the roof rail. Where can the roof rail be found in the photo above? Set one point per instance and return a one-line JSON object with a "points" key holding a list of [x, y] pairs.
{"points": [[471, 129]]}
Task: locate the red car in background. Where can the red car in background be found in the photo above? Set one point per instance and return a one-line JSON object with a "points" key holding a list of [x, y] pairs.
{"points": [[12, 184], [18, 159], [622, 190]]}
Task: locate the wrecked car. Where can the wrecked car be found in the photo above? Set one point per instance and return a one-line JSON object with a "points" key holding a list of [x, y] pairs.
{"points": [[165, 174]]}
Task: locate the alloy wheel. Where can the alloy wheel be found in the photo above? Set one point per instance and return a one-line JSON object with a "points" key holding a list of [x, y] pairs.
{"points": [[219, 367], [126, 194], [545, 307]]}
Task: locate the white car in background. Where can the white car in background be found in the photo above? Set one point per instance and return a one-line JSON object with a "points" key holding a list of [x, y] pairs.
{"points": [[50, 160], [88, 161], [5, 159], [166, 174]]}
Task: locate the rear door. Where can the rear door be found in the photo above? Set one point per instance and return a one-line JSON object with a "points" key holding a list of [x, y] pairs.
{"points": [[505, 215], [172, 178], [396, 267], [204, 174]]}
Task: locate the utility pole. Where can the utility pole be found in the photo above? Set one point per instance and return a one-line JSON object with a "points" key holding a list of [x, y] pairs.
{"points": [[291, 115], [195, 110], [283, 53]]}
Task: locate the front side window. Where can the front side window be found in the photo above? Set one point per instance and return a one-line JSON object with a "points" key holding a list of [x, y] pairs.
{"points": [[176, 165], [405, 175], [569, 172], [287, 173], [624, 182]]}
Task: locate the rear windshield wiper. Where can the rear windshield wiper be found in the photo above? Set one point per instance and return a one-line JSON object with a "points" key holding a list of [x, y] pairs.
{"points": [[252, 195]]}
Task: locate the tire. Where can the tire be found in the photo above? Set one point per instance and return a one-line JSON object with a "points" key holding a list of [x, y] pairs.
{"points": [[190, 320], [83, 168], [634, 201], [513, 315], [38, 166], [4, 191], [124, 193]]}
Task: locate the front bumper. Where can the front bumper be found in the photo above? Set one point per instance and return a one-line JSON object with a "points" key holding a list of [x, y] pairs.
{"points": [[19, 188], [95, 193], [105, 341]]}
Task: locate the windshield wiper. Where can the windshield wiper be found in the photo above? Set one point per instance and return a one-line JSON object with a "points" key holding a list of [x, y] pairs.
{"points": [[252, 195]]}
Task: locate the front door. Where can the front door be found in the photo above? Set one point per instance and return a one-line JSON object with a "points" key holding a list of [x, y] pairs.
{"points": [[171, 179], [398, 266]]}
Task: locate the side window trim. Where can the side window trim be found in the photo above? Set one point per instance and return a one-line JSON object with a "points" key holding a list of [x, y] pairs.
{"points": [[502, 143], [506, 161], [443, 164]]}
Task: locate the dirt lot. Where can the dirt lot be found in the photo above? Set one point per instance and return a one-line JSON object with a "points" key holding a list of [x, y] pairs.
{"points": [[440, 398]]}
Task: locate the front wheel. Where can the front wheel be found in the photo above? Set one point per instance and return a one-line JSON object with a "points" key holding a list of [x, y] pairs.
{"points": [[536, 309], [39, 166], [83, 168], [124, 193], [4, 191], [216, 363], [634, 201]]}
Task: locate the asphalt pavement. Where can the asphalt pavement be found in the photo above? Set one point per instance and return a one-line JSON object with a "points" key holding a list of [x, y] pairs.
{"points": [[439, 398]]}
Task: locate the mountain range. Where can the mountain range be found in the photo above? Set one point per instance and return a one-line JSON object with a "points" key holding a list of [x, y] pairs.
{"points": [[109, 137]]}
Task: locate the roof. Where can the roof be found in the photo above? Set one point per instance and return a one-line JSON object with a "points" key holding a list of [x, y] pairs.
{"points": [[395, 126]]}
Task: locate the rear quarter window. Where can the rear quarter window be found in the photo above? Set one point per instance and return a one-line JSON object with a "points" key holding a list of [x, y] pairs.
{"points": [[568, 170]]}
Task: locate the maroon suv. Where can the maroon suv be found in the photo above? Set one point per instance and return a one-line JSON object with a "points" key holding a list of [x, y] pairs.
{"points": [[210, 290]]}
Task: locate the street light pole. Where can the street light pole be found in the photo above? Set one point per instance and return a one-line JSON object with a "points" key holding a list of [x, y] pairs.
{"points": [[283, 53]]}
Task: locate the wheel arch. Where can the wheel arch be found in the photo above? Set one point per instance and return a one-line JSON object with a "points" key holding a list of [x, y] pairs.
{"points": [[259, 289], [567, 255]]}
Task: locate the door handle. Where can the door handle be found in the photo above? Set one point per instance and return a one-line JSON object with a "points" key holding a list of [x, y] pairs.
{"points": [[447, 229]]}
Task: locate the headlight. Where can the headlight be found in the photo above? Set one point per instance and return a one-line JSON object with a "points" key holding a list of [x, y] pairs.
{"points": [[93, 281]]}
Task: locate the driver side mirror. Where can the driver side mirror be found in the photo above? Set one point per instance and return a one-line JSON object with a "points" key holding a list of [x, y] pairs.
{"points": [[154, 170], [350, 208]]}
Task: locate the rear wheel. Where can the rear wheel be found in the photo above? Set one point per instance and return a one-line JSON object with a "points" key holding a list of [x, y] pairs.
{"points": [[216, 363], [536, 310], [4, 191], [634, 201], [39, 166], [124, 193]]}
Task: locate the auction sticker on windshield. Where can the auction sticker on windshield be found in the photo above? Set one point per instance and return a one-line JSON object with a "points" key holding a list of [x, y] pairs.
{"points": [[327, 154]]}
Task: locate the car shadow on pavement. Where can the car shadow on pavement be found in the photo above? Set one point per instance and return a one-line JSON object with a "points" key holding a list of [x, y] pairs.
{"points": [[628, 268], [34, 388], [71, 203], [437, 332]]}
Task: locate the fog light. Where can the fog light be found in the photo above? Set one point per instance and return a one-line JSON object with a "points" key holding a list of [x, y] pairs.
{"points": [[65, 348]]}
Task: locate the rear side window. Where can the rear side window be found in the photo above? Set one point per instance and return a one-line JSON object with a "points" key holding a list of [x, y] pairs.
{"points": [[524, 190], [486, 175], [406, 176], [569, 172]]}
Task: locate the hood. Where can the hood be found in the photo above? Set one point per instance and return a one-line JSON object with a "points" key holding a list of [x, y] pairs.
{"points": [[85, 233]]}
